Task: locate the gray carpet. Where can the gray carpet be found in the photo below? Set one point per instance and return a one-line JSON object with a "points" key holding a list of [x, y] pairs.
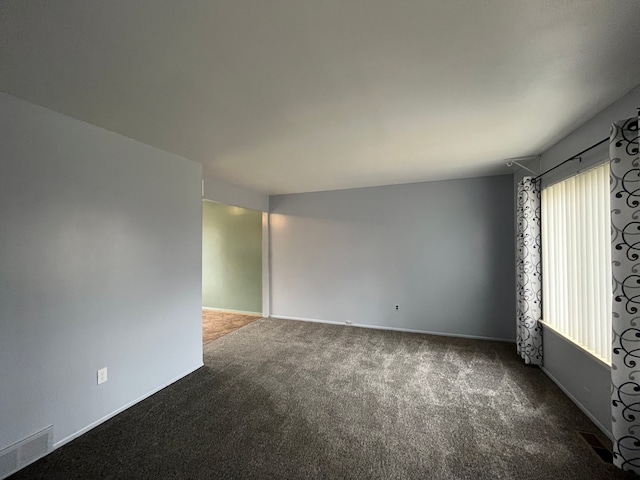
{"points": [[285, 399]]}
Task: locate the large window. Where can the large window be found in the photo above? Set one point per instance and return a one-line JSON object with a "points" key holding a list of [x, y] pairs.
{"points": [[576, 260]]}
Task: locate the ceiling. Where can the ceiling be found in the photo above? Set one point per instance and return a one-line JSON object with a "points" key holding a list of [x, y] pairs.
{"points": [[306, 95]]}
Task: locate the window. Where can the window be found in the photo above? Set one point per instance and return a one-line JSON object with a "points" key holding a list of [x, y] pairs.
{"points": [[576, 260]]}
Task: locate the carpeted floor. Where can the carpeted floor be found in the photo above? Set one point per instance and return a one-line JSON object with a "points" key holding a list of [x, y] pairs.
{"points": [[286, 399], [216, 323]]}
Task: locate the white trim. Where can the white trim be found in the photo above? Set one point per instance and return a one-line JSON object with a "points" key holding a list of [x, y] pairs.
{"points": [[313, 320], [245, 312], [92, 425], [428, 332], [578, 404], [395, 329], [266, 266]]}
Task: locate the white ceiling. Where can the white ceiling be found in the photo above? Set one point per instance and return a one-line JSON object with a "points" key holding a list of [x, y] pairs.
{"points": [[305, 95]]}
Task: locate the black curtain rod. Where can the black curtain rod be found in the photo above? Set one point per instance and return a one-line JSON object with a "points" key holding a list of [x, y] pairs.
{"points": [[576, 156]]}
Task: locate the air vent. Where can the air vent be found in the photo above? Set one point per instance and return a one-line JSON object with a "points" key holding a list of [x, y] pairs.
{"points": [[26, 451], [599, 449]]}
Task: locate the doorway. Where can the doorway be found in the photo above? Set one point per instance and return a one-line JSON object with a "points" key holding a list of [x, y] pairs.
{"points": [[232, 263]]}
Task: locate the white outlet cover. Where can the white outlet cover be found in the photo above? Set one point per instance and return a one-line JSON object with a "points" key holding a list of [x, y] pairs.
{"points": [[102, 375]]}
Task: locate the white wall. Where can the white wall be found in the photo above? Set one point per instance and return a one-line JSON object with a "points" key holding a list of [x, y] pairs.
{"points": [[583, 378], [442, 251], [221, 192], [100, 266], [590, 132]]}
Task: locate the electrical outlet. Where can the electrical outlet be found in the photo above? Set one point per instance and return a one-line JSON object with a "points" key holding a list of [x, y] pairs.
{"points": [[102, 375], [397, 307]]}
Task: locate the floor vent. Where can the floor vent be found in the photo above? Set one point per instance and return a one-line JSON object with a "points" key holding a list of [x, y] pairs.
{"points": [[26, 451], [603, 452]]}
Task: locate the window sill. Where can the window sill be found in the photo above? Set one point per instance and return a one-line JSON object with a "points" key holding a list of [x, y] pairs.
{"points": [[591, 354]]}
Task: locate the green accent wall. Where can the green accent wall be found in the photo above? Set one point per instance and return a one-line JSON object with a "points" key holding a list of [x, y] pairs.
{"points": [[231, 257]]}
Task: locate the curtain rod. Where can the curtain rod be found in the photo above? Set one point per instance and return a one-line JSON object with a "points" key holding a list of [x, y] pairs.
{"points": [[514, 161], [576, 156]]}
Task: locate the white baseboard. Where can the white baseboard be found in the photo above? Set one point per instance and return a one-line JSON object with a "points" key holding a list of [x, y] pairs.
{"points": [[245, 312], [396, 329], [602, 428], [440, 334], [121, 409], [313, 320]]}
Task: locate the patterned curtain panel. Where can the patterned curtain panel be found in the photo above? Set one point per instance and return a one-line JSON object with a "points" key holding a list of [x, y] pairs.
{"points": [[528, 273], [625, 256]]}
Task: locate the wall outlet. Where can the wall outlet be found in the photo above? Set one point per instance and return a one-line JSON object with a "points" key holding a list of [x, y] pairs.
{"points": [[102, 375], [397, 307]]}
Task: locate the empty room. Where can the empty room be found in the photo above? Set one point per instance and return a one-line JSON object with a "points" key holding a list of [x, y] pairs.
{"points": [[429, 210]]}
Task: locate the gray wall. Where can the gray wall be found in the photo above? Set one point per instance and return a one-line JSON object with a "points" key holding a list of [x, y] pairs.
{"points": [[586, 380], [100, 266], [442, 251]]}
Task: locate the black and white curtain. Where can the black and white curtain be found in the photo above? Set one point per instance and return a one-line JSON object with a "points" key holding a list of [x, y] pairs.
{"points": [[528, 272], [625, 256]]}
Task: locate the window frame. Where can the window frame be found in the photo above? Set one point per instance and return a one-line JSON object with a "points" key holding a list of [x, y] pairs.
{"points": [[604, 239]]}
